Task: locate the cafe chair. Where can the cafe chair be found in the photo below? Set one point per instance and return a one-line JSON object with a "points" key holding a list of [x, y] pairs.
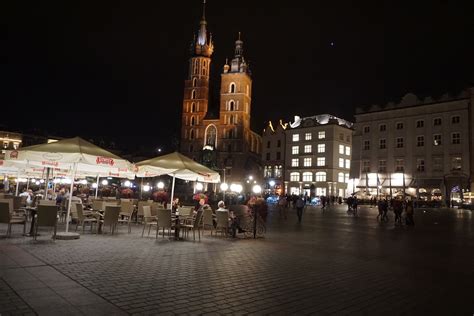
{"points": [[222, 218], [82, 219], [126, 212], [46, 215], [164, 221], [195, 225], [6, 218], [208, 219], [149, 220], [111, 216]]}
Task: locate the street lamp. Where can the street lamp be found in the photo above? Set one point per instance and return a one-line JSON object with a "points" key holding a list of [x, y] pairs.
{"points": [[224, 187], [105, 182], [199, 186], [257, 189], [160, 185], [271, 183], [146, 188], [127, 184]]}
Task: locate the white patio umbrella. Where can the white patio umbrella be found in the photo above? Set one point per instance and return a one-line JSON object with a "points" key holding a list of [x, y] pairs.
{"points": [[178, 166], [74, 154]]}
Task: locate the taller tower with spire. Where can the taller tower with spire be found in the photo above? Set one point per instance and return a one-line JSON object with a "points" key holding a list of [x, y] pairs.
{"points": [[196, 87]]}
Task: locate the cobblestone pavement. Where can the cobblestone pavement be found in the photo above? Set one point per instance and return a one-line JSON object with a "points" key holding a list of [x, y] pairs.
{"points": [[332, 263]]}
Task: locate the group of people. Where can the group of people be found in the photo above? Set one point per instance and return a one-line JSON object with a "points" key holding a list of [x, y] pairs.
{"points": [[398, 206]]}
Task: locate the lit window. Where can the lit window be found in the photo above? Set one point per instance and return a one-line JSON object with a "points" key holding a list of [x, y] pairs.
{"points": [[455, 119], [456, 163], [348, 150], [366, 166], [308, 136], [437, 121], [341, 149], [382, 166], [347, 177], [366, 144], [321, 148], [456, 138], [382, 143], [340, 177], [307, 162], [296, 137], [16, 145], [321, 135], [308, 148], [295, 176], [321, 191], [341, 162], [295, 162], [420, 165], [383, 127], [348, 164], [437, 139], [399, 142], [278, 172], [307, 176], [321, 176], [321, 161], [420, 141], [295, 150]]}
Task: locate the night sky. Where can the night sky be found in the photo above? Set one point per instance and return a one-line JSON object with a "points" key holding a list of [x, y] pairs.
{"points": [[115, 69]]}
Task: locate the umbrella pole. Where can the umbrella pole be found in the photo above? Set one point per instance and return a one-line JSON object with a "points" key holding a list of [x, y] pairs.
{"points": [[70, 197], [27, 184], [46, 184], [97, 187], [17, 182], [172, 192]]}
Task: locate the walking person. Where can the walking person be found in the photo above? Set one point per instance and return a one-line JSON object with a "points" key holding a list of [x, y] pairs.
{"points": [[410, 210], [300, 204], [354, 206], [282, 210]]}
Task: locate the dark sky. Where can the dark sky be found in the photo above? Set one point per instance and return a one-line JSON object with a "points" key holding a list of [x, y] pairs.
{"points": [[116, 69]]}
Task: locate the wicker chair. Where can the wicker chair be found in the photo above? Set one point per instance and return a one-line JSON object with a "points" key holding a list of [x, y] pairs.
{"points": [[149, 220], [47, 215], [6, 218]]}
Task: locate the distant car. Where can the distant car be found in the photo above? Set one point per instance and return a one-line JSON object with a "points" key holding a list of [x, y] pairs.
{"points": [[272, 199]]}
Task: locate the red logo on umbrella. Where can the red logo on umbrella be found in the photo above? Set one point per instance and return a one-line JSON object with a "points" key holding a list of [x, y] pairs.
{"points": [[104, 161], [14, 154]]}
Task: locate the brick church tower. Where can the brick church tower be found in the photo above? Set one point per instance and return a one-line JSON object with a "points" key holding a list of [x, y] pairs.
{"points": [[226, 141]]}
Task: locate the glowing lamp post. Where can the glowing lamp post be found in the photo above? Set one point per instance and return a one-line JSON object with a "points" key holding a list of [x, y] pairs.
{"points": [[160, 185], [224, 187]]}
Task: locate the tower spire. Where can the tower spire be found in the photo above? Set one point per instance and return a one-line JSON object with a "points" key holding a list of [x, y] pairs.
{"points": [[203, 43], [203, 10]]}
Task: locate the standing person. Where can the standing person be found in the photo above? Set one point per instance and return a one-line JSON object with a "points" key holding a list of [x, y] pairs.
{"points": [[380, 208], [397, 209], [282, 207], [299, 207], [354, 206], [323, 202], [385, 210], [410, 210], [349, 203]]}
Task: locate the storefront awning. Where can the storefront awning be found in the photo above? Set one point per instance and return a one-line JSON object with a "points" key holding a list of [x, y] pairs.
{"points": [[426, 183]]}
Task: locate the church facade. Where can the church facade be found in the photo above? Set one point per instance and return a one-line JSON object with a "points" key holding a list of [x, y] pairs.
{"points": [[225, 142]]}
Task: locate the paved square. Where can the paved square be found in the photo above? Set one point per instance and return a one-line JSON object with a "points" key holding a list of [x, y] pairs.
{"points": [[331, 263]]}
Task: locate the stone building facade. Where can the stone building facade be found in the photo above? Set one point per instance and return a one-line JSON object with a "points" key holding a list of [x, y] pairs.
{"points": [[273, 157], [422, 148], [224, 142]]}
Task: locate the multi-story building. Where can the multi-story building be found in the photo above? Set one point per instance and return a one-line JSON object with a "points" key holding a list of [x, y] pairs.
{"points": [[273, 157], [223, 142], [9, 141], [318, 156], [423, 148]]}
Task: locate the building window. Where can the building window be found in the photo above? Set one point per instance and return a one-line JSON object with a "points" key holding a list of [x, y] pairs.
{"points": [[420, 123], [383, 127], [268, 144], [366, 144], [295, 150], [399, 165], [348, 138], [308, 148], [455, 119], [341, 137], [232, 88], [193, 121], [456, 163], [321, 191], [420, 141], [307, 162], [268, 156], [348, 164], [366, 129], [348, 150], [399, 125], [278, 155], [341, 162], [437, 164], [437, 139], [420, 165], [295, 176], [321, 148], [366, 166], [437, 121], [193, 94], [16, 145], [321, 135], [321, 161], [308, 136], [399, 142], [456, 138], [295, 162], [296, 137], [278, 143], [382, 166], [193, 107], [278, 171], [191, 134], [341, 149], [340, 177], [268, 172], [232, 105], [321, 176], [346, 177], [382, 143], [307, 176]]}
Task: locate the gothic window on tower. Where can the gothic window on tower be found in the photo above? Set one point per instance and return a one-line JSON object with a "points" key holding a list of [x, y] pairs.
{"points": [[194, 82], [211, 136], [192, 121], [193, 107], [191, 134], [231, 105], [232, 88], [193, 94]]}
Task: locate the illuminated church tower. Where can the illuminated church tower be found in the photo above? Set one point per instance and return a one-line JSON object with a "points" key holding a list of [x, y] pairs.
{"points": [[225, 141]]}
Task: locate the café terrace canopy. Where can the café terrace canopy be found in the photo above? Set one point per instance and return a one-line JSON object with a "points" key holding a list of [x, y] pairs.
{"points": [[176, 165]]}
